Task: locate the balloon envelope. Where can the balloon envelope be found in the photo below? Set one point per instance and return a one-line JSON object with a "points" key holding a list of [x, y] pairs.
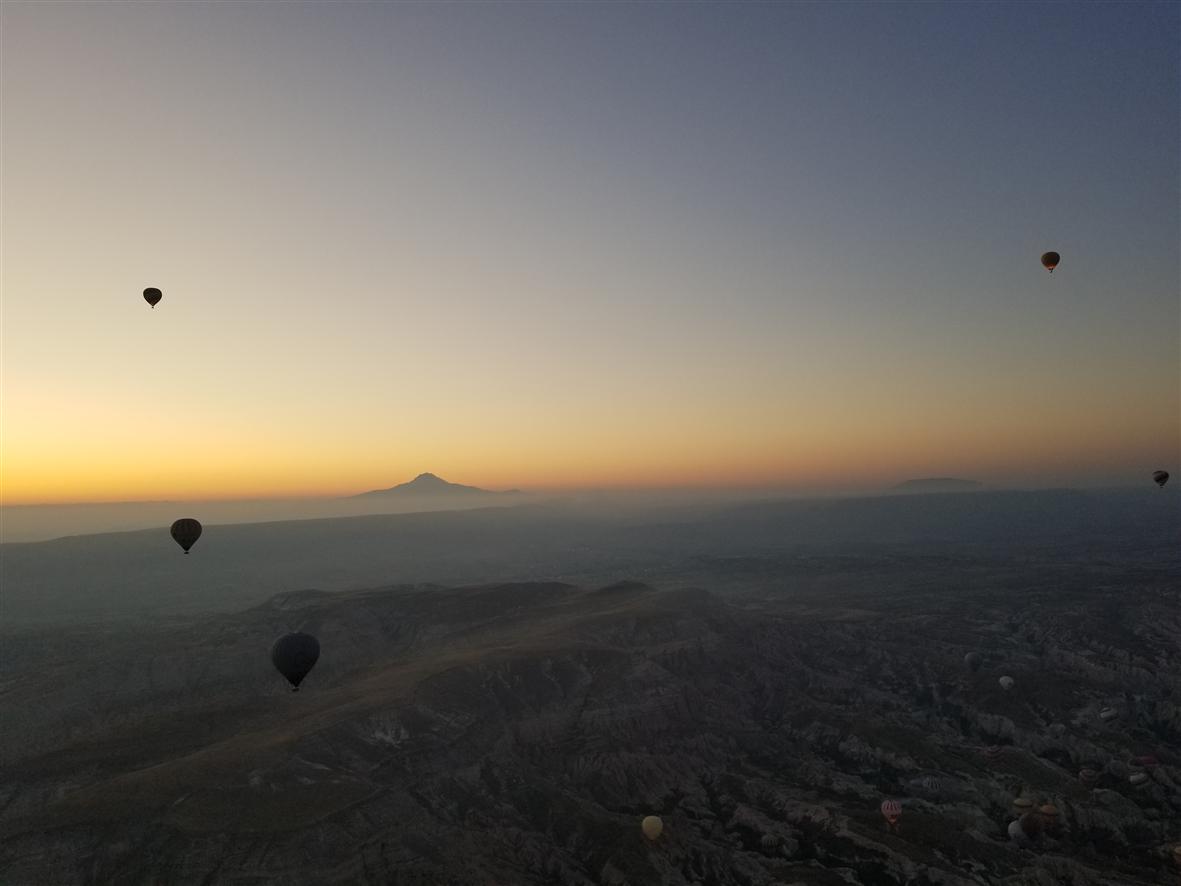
{"points": [[294, 655], [973, 660], [891, 809], [152, 296], [1006, 682], [1050, 260], [185, 532], [652, 827], [1031, 824], [1161, 477]]}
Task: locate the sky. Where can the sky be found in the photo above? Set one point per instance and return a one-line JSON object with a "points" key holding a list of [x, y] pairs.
{"points": [[572, 245]]}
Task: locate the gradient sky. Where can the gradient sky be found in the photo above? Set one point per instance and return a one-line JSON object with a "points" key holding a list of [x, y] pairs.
{"points": [[562, 245]]}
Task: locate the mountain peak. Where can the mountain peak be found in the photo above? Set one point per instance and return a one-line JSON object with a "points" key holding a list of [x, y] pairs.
{"points": [[433, 484]]}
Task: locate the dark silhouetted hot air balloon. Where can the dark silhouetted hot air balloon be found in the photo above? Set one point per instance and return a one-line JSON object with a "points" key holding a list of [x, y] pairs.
{"points": [[891, 811], [1049, 816], [1161, 477], [1050, 260], [1031, 824], [185, 532], [973, 661], [652, 827], [152, 296], [294, 655]]}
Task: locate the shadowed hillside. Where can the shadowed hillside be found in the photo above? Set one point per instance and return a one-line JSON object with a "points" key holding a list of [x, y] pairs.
{"points": [[142, 574], [517, 733]]}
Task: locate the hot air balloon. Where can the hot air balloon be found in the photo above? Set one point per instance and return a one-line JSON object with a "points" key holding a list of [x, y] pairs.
{"points": [[973, 661], [769, 842], [1160, 477], [1031, 824], [1016, 834], [1138, 778], [1108, 714], [892, 811], [1088, 776], [294, 655], [1049, 815], [152, 296], [185, 532], [931, 784], [993, 751], [652, 827], [1050, 260], [1023, 804], [1006, 682]]}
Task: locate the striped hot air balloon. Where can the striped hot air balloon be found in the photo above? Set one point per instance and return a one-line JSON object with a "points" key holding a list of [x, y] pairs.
{"points": [[891, 811]]}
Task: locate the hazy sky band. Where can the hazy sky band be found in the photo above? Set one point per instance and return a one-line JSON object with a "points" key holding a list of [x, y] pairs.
{"points": [[572, 244]]}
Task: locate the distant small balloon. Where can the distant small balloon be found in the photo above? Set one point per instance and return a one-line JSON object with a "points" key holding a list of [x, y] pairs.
{"points": [[1031, 824], [652, 827], [1138, 778], [1161, 477], [1088, 776], [152, 296], [294, 655], [1108, 714], [1050, 260], [1016, 833], [185, 532], [973, 661], [1023, 803], [891, 810], [1007, 682]]}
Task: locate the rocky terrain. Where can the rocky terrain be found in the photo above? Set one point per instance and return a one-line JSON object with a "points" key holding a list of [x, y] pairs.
{"points": [[517, 733]]}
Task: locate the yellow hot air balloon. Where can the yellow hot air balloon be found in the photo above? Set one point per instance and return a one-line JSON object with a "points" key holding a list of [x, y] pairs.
{"points": [[652, 827]]}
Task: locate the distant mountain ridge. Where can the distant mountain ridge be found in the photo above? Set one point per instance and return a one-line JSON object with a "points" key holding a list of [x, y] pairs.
{"points": [[939, 484], [429, 484]]}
